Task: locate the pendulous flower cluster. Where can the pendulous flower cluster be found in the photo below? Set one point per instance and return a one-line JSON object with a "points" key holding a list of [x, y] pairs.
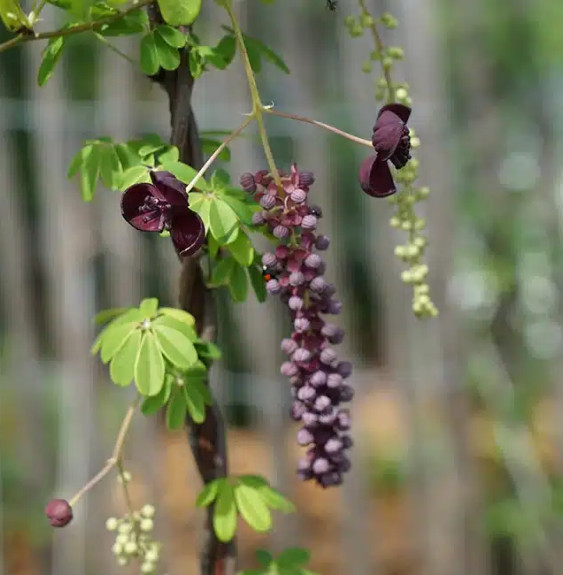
{"points": [[295, 272]]}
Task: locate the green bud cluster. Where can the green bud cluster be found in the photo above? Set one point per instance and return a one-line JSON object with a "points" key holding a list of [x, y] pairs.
{"points": [[133, 539], [412, 252]]}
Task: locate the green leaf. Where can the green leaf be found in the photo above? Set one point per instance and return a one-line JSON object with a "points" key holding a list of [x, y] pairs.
{"points": [[122, 367], [208, 350], [209, 145], [149, 55], [152, 404], [186, 174], [127, 156], [220, 179], [225, 513], [179, 12], [76, 161], [178, 314], [110, 167], [170, 154], [134, 22], [175, 346], [201, 204], [242, 210], [213, 247], [253, 481], [176, 410], [168, 56], [106, 315], [227, 48], [149, 367], [149, 307], [49, 59], [202, 388], [195, 402], [113, 337], [293, 556], [196, 63], [134, 175], [89, 172], [222, 272], [258, 283], [208, 494], [238, 286], [172, 36], [242, 249], [254, 56], [274, 499], [272, 57], [252, 508], [264, 557], [222, 219], [172, 322]]}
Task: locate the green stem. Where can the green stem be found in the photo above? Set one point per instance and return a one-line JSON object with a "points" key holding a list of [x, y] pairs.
{"points": [[380, 47], [257, 106], [115, 49], [86, 27]]}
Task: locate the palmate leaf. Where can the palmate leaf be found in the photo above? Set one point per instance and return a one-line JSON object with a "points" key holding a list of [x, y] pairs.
{"points": [[175, 346], [252, 508], [149, 366], [225, 513]]}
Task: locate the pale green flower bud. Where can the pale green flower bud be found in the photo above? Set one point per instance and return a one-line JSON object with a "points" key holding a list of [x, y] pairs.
{"points": [[111, 524], [117, 549], [131, 547], [122, 539], [147, 511], [125, 527], [394, 222], [366, 20], [146, 524], [366, 67], [395, 52], [148, 567]]}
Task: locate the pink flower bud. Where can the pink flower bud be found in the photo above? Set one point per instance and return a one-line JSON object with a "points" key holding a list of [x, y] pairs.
{"points": [[59, 512]]}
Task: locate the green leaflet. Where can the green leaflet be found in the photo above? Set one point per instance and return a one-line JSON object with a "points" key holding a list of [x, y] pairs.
{"points": [[168, 57], [152, 404], [148, 307], [242, 249], [225, 513], [113, 337], [50, 57], [222, 219], [172, 36], [179, 12], [149, 367], [208, 494], [148, 55], [176, 409], [194, 401], [122, 367], [252, 508], [175, 345]]}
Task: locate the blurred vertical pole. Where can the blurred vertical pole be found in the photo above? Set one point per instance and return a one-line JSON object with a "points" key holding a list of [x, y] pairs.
{"points": [[66, 244], [455, 542]]}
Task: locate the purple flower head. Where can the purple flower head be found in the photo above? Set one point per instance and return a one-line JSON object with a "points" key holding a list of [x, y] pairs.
{"points": [[164, 205], [391, 141]]}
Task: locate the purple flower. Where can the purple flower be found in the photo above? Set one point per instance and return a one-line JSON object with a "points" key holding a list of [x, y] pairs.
{"points": [[391, 141], [164, 205], [59, 512]]}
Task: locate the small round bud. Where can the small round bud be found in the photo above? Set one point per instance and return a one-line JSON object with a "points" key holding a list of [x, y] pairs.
{"points": [[130, 547], [269, 259], [310, 419], [59, 512], [322, 242], [281, 232], [322, 402], [317, 284], [296, 279], [123, 561], [306, 393], [258, 218], [313, 261], [320, 465], [117, 549], [288, 346], [301, 354], [111, 524], [334, 307], [152, 554], [333, 445], [298, 195], [423, 192], [267, 201], [334, 380], [247, 182], [344, 368], [124, 477], [273, 287], [394, 222], [328, 356], [125, 527], [148, 567], [309, 222], [304, 437], [297, 410], [295, 303], [288, 369], [318, 378], [346, 393], [146, 524], [301, 324], [122, 538], [306, 179]]}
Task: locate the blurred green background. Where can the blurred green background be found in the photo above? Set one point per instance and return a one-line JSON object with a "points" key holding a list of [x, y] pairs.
{"points": [[458, 421]]}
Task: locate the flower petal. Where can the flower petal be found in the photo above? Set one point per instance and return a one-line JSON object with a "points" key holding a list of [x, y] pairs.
{"points": [[375, 178], [131, 202], [387, 134], [403, 112], [187, 232], [170, 188]]}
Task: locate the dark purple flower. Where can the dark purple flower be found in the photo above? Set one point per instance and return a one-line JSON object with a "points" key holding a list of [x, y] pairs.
{"points": [[164, 205], [391, 141], [59, 512]]}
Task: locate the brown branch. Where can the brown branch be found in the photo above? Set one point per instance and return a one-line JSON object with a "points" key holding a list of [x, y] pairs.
{"points": [[207, 439]]}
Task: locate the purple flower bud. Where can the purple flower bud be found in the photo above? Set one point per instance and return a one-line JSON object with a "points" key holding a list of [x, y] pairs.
{"points": [[329, 290], [313, 261], [329, 329], [297, 410], [247, 182], [296, 279], [304, 464], [346, 393], [317, 284], [334, 307], [344, 368], [304, 437], [295, 303], [322, 402], [288, 369], [309, 222], [343, 419], [258, 218], [301, 324], [301, 354], [316, 211], [306, 392], [328, 418], [281, 232], [334, 380], [59, 512], [269, 259], [306, 179], [273, 286], [288, 346], [282, 252], [298, 195], [330, 478], [309, 419], [333, 445], [267, 201], [328, 356], [337, 337], [318, 378], [322, 242], [320, 466], [344, 465], [346, 442]]}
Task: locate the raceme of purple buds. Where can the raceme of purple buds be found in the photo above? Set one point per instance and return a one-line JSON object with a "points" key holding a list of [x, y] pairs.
{"points": [[59, 512], [316, 375], [163, 205], [391, 140]]}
